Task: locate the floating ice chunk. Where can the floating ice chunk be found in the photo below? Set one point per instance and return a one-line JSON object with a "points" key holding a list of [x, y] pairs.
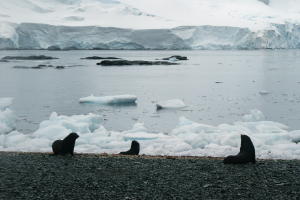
{"points": [[7, 118], [295, 135], [59, 126], [170, 104], [118, 99], [5, 102], [254, 115], [271, 139], [264, 92]]}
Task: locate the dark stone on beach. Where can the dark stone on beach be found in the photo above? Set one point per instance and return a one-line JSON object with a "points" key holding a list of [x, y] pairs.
{"points": [[32, 176], [246, 154], [40, 57], [134, 149], [177, 57], [65, 146], [100, 58], [134, 62], [59, 67]]}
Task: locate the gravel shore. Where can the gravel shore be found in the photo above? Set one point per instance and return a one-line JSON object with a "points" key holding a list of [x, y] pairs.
{"points": [[87, 176]]}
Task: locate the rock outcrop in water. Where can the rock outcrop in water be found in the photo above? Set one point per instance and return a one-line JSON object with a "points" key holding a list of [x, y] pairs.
{"points": [[40, 57], [99, 58], [176, 57], [133, 62], [42, 66], [42, 36]]}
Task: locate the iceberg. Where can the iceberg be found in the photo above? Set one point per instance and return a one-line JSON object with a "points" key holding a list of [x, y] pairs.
{"points": [[170, 104], [117, 99]]}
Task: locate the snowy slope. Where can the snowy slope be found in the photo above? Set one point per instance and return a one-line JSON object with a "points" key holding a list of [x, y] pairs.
{"points": [[112, 13], [141, 14], [149, 24]]}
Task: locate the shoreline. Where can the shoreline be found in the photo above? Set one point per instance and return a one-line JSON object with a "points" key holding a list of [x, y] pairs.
{"points": [[92, 176], [142, 156]]}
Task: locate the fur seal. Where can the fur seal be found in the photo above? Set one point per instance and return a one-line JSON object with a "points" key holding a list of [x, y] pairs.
{"points": [[134, 149], [65, 146], [246, 154]]}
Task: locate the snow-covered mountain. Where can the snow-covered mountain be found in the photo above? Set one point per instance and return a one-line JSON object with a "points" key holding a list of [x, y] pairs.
{"points": [[149, 24], [143, 14]]}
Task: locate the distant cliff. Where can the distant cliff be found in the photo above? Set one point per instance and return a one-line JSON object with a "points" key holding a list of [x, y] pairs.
{"points": [[42, 36]]}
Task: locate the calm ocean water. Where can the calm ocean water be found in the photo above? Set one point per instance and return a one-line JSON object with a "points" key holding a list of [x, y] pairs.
{"points": [[218, 87]]}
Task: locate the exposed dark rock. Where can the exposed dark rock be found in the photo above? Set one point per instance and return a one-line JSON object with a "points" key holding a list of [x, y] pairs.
{"points": [[267, 2], [54, 48], [134, 62], [246, 154], [100, 58], [177, 57], [134, 149], [2, 60], [59, 67], [40, 57], [68, 48]]}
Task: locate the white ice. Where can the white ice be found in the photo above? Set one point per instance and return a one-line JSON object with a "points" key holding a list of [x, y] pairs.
{"points": [[271, 139], [117, 99], [7, 118], [171, 104], [253, 14]]}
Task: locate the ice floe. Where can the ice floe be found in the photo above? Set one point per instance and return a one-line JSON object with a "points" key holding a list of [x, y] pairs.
{"points": [[118, 99], [7, 118], [170, 104], [271, 139]]}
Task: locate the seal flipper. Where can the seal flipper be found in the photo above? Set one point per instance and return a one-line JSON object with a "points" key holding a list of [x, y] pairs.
{"points": [[134, 149], [246, 154]]}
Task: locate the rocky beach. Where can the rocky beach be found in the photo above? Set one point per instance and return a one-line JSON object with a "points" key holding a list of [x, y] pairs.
{"points": [[92, 176]]}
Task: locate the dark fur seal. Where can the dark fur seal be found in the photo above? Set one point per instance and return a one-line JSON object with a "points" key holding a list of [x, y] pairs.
{"points": [[246, 154], [134, 150], [65, 146]]}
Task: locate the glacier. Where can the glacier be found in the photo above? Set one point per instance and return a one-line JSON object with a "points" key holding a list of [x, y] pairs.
{"points": [[43, 36], [145, 24]]}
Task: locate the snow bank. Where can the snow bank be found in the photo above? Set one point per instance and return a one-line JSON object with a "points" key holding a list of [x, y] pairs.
{"points": [[171, 104], [7, 118], [271, 139], [118, 99]]}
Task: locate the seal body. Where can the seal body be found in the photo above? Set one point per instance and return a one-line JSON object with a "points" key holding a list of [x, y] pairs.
{"points": [[134, 149], [65, 146], [246, 154]]}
